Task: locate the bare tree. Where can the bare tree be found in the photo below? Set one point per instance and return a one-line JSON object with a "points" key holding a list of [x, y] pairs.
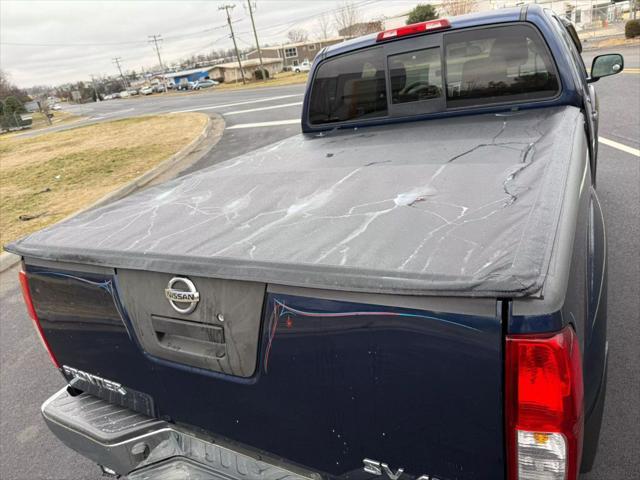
{"points": [[323, 26], [298, 35], [7, 88], [346, 17], [43, 105], [458, 7]]}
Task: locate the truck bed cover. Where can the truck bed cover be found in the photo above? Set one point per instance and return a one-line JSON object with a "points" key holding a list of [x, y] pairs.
{"points": [[459, 206]]}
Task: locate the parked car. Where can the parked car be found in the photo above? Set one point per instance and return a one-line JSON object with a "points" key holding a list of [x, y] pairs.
{"points": [[415, 286], [146, 90], [204, 84], [56, 106], [132, 91], [305, 66], [123, 94], [158, 88], [185, 85]]}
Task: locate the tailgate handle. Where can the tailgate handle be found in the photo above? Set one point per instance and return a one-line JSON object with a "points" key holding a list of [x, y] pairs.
{"points": [[193, 338]]}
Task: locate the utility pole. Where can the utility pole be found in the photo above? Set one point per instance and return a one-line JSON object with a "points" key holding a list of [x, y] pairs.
{"points": [[255, 34], [95, 90], [235, 46], [117, 61], [154, 39]]}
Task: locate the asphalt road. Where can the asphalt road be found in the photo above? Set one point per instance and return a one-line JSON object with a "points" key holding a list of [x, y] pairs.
{"points": [[28, 451]]}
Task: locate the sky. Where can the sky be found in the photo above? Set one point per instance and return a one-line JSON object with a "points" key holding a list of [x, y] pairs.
{"points": [[53, 42]]}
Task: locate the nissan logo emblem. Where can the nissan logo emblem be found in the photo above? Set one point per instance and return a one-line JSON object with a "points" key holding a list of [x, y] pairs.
{"points": [[183, 299]]}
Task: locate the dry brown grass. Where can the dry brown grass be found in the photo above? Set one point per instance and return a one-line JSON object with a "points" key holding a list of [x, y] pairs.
{"points": [[53, 175], [283, 78], [40, 123], [595, 44]]}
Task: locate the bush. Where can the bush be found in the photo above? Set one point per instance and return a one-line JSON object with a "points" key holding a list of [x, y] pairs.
{"points": [[632, 29], [13, 105], [422, 13], [261, 74]]}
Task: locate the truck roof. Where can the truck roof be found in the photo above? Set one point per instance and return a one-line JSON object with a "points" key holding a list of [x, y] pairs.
{"points": [[462, 21]]}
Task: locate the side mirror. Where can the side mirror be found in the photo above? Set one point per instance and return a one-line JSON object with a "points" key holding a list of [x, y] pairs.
{"points": [[605, 65]]}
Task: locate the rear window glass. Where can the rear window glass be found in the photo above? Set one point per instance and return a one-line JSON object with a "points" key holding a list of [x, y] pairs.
{"points": [[498, 64], [349, 87], [415, 75], [471, 67]]}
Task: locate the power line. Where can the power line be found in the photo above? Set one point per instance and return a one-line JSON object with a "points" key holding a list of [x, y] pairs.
{"points": [[103, 44], [124, 42], [284, 26], [226, 8]]}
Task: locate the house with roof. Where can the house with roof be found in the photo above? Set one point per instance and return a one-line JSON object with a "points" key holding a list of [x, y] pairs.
{"points": [[293, 54], [230, 72]]}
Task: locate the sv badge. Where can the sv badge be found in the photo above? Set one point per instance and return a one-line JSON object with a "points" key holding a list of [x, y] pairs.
{"points": [[377, 468]]}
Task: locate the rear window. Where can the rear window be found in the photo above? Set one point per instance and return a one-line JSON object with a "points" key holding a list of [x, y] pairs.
{"points": [[498, 64], [349, 87], [415, 75], [475, 67]]}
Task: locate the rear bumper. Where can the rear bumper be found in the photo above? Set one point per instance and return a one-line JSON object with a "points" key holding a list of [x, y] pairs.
{"points": [[142, 447]]}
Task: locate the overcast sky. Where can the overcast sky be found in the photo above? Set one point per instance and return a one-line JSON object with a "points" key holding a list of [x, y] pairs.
{"points": [[52, 42]]}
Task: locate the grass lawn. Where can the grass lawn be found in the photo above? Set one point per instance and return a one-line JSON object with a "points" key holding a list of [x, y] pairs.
{"points": [[46, 178], [283, 78], [59, 118], [39, 122]]}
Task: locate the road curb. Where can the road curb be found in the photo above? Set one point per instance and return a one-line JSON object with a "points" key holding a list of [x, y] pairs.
{"points": [[214, 127]]}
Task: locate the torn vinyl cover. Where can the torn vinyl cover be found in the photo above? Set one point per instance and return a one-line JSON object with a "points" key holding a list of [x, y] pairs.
{"points": [[457, 206]]}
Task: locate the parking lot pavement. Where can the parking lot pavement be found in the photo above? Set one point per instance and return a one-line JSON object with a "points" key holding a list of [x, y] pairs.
{"points": [[29, 452], [211, 101]]}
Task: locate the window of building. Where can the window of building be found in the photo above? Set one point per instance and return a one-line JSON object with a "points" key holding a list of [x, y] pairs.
{"points": [[349, 87], [498, 64], [290, 52], [311, 46], [415, 75]]}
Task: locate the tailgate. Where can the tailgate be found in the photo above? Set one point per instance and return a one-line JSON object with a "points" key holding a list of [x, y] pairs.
{"points": [[323, 380]]}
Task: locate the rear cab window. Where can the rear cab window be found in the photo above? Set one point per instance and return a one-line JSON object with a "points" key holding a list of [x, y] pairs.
{"points": [[432, 73], [350, 87]]}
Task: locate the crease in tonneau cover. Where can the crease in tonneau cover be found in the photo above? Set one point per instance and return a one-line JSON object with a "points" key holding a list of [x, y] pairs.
{"points": [[460, 206]]}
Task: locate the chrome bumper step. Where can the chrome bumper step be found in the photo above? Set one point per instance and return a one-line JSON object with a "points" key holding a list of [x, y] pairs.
{"points": [[142, 447]]}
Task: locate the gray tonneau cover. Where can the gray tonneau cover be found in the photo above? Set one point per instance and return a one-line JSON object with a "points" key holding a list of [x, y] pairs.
{"points": [[459, 206]]}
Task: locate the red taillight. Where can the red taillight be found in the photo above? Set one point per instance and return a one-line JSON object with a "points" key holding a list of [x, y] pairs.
{"points": [[26, 293], [544, 406], [413, 29]]}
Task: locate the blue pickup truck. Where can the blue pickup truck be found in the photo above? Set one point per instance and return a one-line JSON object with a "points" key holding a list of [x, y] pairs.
{"points": [[414, 287]]}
